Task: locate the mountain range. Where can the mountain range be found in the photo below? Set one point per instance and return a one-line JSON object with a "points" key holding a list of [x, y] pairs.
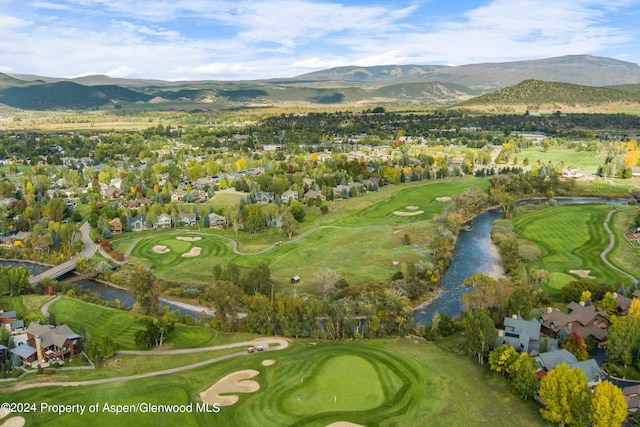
{"points": [[574, 79]]}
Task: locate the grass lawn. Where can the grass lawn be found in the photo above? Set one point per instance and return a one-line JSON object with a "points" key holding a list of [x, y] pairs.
{"points": [[571, 237], [585, 161], [387, 382], [363, 230], [24, 305], [122, 326]]}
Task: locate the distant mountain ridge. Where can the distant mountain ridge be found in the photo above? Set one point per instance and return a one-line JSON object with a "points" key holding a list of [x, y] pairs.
{"points": [[414, 84]]}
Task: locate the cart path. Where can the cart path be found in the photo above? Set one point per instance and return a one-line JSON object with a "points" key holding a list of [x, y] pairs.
{"points": [[280, 343], [612, 242]]}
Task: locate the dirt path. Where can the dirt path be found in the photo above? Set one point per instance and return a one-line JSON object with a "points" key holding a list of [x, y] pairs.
{"points": [[45, 307], [612, 242], [265, 342]]}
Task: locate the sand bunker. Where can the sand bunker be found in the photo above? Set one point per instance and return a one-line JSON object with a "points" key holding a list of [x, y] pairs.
{"points": [[188, 239], [11, 422], [238, 382], [344, 424], [195, 251], [401, 213], [583, 273], [161, 249], [268, 362], [412, 208], [443, 199]]}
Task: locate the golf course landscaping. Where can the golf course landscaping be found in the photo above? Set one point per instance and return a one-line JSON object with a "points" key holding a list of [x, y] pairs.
{"points": [[375, 383], [571, 239]]}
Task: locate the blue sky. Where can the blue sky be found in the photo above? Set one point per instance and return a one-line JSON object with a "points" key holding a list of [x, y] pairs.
{"points": [[237, 40]]}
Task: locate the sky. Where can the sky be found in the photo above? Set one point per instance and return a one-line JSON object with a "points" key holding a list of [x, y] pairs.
{"points": [[247, 40]]}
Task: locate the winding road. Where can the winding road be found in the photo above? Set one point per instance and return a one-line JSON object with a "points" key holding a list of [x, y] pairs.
{"points": [[266, 343], [612, 242]]}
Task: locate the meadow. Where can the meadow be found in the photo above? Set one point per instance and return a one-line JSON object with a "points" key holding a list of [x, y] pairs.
{"points": [[571, 237], [585, 161]]}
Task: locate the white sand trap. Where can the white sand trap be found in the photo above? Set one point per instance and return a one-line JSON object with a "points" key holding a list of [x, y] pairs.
{"points": [[189, 239], [412, 208], [344, 424], [237, 382], [585, 274], [414, 213], [195, 251], [443, 199], [161, 249], [11, 422], [268, 362]]}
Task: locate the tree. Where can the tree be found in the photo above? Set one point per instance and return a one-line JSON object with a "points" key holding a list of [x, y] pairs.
{"points": [[297, 210], [566, 396], [13, 280], [146, 289], [326, 278], [502, 358], [623, 338], [608, 304], [481, 333], [226, 300], [524, 380], [289, 224], [575, 345], [260, 314], [156, 330], [608, 407], [107, 347]]}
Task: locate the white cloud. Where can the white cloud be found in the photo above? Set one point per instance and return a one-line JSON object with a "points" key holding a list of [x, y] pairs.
{"points": [[121, 71]]}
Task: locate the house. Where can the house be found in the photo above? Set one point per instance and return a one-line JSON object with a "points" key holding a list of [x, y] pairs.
{"points": [[264, 197], [623, 304], [590, 367], [217, 221], [289, 196], [53, 342], [115, 226], [632, 397], [111, 193], [164, 221], [582, 319], [313, 195], [523, 335], [186, 218], [591, 370], [138, 223], [178, 196]]}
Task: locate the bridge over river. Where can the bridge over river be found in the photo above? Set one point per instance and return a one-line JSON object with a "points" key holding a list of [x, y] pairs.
{"points": [[88, 249]]}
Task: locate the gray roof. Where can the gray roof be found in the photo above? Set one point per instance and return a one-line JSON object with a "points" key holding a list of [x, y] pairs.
{"points": [[23, 351], [529, 327], [8, 314], [590, 368], [551, 359]]}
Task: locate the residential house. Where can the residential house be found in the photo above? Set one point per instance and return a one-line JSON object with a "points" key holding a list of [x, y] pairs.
{"points": [[115, 226], [186, 218], [289, 196], [582, 319], [50, 343], [264, 197], [138, 223], [164, 221], [632, 397], [590, 367], [138, 202], [313, 195], [178, 196], [217, 221], [523, 335], [623, 304], [111, 193]]}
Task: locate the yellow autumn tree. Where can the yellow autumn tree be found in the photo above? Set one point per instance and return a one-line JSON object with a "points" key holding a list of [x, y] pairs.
{"points": [[566, 396], [608, 407], [634, 309]]}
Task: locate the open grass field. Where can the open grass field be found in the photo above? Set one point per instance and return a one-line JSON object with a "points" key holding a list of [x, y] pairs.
{"points": [[398, 382], [610, 187], [364, 230], [24, 305], [571, 237], [585, 161], [122, 326]]}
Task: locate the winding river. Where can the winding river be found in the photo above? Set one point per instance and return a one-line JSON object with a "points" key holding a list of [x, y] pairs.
{"points": [[474, 253]]}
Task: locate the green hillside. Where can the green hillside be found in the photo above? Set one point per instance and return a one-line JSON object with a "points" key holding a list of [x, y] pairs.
{"points": [[538, 92], [65, 95], [428, 92]]}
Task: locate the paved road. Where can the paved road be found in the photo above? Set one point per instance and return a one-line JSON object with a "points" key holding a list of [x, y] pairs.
{"points": [[612, 242], [280, 344]]}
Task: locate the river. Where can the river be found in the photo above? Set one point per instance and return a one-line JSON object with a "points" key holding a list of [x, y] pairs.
{"points": [[475, 253], [111, 293]]}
